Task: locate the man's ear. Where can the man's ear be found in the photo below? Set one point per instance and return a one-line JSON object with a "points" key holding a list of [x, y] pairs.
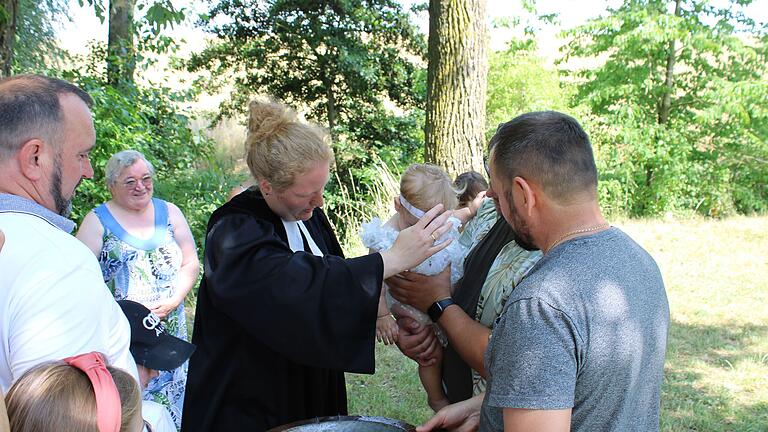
{"points": [[265, 186], [30, 158], [528, 193]]}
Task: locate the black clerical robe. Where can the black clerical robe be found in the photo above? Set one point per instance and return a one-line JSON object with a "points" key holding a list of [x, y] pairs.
{"points": [[275, 330]]}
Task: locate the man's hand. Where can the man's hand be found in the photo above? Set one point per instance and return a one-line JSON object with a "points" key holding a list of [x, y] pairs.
{"points": [[416, 341], [418, 290], [463, 416]]}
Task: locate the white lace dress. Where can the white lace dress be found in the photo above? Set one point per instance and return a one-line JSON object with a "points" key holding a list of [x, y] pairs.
{"points": [[380, 237]]}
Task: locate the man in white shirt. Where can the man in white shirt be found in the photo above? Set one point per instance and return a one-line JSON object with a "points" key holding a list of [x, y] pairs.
{"points": [[53, 303]]}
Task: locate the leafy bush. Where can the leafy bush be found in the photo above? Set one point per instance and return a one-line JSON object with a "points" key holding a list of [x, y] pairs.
{"points": [[148, 119]]}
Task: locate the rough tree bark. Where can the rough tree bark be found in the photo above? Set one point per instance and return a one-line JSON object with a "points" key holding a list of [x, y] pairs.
{"points": [[121, 58], [8, 12], [456, 85]]}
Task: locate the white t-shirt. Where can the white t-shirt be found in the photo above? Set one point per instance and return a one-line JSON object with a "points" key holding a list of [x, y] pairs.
{"points": [[157, 416], [53, 302]]}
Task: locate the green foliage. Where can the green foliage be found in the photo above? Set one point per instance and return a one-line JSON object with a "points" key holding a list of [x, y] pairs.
{"points": [[707, 152], [198, 192], [338, 59], [159, 15], [147, 120], [518, 83], [331, 56], [35, 48]]}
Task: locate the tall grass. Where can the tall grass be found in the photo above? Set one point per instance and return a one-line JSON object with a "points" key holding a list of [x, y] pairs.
{"points": [[353, 211]]}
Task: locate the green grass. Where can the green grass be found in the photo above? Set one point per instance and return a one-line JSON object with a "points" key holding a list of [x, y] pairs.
{"points": [[716, 373]]}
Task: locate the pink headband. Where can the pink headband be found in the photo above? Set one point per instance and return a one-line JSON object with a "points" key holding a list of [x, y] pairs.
{"points": [[108, 411]]}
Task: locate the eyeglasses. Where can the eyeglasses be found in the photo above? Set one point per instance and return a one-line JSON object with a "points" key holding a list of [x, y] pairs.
{"points": [[131, 183], [485, 165]]}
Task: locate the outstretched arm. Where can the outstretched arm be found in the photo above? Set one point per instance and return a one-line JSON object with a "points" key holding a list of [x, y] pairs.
{"points": [[464, 214]]}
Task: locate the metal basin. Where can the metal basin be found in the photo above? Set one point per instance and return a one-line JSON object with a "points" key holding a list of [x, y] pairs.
{"points": [[346, 423]]}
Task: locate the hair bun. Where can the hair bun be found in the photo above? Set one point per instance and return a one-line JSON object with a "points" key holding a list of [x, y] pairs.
{"points": [[267, 120]]}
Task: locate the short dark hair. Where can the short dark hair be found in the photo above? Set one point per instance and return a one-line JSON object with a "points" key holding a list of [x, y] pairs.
{"points": [[550, 148], [30, 108]]}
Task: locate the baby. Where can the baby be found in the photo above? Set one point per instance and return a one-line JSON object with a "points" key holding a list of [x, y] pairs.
{"points": [[422, 186]]}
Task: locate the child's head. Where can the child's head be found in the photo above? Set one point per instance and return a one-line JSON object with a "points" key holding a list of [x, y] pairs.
{"points": [[468, 185], [424, 186], [75, 395], [153, 348]]}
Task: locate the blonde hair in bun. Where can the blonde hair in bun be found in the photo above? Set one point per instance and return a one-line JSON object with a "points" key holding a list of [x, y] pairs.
{"points": [[279, 147]]}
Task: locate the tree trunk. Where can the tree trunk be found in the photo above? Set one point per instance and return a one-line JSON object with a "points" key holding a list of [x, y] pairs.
{"points": [[456, 85], [666, 101], [121, 58], [8, 12]]}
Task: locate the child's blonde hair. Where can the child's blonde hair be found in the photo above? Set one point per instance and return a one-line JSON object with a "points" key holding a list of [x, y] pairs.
{"points": [[55, 396], [426, 185]]}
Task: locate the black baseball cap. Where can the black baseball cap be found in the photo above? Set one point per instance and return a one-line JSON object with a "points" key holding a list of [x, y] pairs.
{"points": [[151, 345]]}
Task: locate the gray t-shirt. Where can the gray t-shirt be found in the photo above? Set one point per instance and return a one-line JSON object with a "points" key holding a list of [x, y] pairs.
{"points": [[587, 330]]}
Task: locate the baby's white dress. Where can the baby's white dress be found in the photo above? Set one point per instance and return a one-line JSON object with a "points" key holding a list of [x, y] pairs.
{"points": [[380, 237]]}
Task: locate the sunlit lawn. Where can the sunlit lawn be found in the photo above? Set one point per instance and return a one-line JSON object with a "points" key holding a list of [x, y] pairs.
{"points": [[716, 374]]}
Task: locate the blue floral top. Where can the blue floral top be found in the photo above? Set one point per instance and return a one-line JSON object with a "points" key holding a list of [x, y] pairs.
{"points": [[146, 271]]}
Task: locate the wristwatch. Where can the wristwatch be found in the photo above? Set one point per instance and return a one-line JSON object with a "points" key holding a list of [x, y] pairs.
{"points": [[436, 310]]}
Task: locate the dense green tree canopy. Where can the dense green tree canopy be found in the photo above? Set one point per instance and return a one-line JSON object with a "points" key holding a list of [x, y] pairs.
{"points": [[355, 67], [680, 105], [332, 56]]}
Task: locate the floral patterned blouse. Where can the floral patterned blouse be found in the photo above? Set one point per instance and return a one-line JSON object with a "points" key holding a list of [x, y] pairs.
{"points": [[146, 271]]}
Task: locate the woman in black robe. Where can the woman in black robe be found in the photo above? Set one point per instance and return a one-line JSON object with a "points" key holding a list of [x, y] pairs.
{"points": [[281, 315]]}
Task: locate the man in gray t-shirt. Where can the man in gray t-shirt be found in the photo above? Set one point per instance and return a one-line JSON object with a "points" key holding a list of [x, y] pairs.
{"points": [[585, 330], [581, 342]]}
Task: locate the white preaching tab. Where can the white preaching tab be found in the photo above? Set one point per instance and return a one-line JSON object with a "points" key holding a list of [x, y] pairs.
{"points": [[294, 229]]}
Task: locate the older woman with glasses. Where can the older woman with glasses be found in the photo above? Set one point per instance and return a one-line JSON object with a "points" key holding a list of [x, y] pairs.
{"points": [[147, 254]]}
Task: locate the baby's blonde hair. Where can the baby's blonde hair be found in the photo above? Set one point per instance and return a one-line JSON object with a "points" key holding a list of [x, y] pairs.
{"points": [[426, 185], [55, 396], [279, 147]]}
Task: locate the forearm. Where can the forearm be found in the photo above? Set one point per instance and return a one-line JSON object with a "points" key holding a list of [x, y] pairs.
{"points": [[393, 264], [464, 214], [383, 309], [186, 280], [468, 337]]}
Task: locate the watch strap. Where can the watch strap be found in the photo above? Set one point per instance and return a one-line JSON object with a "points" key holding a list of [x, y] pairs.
{"points": [[436, 310]]}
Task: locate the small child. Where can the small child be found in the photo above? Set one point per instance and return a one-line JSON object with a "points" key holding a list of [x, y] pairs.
{"points": [[422, 186], [468, 185], [154, 349], [79, 393]]}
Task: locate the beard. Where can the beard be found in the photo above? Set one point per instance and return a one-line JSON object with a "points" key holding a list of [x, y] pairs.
{"points": [[63, 205], [520, 230]]}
